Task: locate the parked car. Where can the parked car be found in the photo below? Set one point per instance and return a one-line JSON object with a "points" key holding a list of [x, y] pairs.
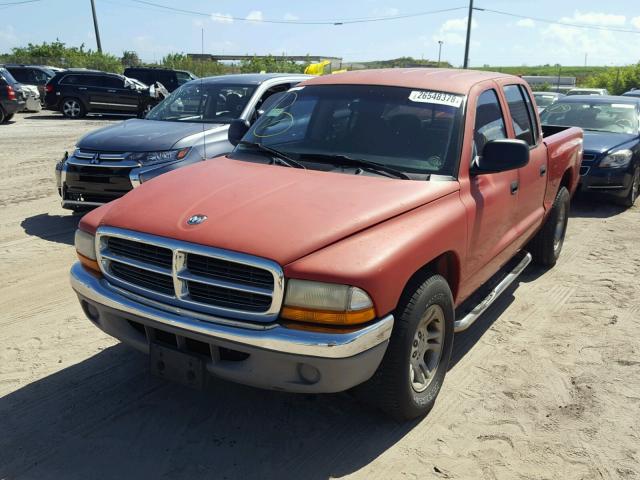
{"points": [[611, 159], [632, 93], [76, 92], [191, 125], [588, 91], [544, 99], [32, 75], [171, 79], [12, 98], [336, 244], [32, 99]]}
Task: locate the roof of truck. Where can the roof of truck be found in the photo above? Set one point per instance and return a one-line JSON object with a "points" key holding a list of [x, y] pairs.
{"points": [[441, 79], [249, 78]]}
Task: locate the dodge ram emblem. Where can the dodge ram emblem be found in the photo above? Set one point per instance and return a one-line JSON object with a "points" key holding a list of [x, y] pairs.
{"points": [[196, 219]]}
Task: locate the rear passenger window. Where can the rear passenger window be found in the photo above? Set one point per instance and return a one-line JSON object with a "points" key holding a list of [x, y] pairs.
{"points": [[522, 125], [71, 80], [532, 112], [489, 121]]}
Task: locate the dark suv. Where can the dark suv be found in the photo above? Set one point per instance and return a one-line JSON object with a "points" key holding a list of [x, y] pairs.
{"points": [[170, 79], [32, 75], [12, 98], [76, 92]]}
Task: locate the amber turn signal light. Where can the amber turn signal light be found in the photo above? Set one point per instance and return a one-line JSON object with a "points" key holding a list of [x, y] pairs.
{"points": [[90, 265], [328, 317]]}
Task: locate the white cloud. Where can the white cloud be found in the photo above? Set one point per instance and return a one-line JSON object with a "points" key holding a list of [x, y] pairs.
{"points": [[452, 32], [291, 17], [255, 16], [526, 23], [596, 18], [635, 21], [221, 17]]}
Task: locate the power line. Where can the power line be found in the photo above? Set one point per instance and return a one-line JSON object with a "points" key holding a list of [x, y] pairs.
{"points": [[6, 4], [296, 22], [554, 22]]}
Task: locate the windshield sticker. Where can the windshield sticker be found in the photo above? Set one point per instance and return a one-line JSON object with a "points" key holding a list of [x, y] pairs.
{"points": [[275, 112], [622, 105], [438, 98]]}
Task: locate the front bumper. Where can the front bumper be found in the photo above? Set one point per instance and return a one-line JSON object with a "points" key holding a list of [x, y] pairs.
{"points": [[612, 181], [266, 356]]}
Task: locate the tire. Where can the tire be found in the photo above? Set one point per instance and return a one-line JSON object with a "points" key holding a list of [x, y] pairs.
{"points": [[546, 246], [396, 387], [8, 118], [634, 190], [72, 108], [3, 117]]}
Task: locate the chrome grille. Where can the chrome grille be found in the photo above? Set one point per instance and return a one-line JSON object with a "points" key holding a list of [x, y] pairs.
{"points": [[202, 279], [102, 159]]}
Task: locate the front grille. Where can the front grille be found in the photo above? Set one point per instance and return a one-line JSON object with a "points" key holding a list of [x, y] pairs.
{"points": [[144, 278], [143, 252], [105, 156], [189, 276], [222, 270], [588, 156]]}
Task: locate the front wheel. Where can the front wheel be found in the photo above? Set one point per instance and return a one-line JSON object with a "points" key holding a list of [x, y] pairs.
{"points": [[414, 366], [546, 246], [73, 108], [634, 190]]}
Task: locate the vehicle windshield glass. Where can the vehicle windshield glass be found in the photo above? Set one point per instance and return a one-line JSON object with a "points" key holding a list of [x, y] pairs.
{"points": [[204, 103], [599, 116], [410, 130], [543, 100]]}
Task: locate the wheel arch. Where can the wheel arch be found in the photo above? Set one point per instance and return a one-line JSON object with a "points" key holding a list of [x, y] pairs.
{"points": [[447, 264]]}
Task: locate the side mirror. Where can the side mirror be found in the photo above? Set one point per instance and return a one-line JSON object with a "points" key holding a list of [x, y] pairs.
{"points": [[237, 129], [501, 155]]}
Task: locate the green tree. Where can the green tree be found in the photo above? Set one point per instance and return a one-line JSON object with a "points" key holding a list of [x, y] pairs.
{"points": [[130, 59]]}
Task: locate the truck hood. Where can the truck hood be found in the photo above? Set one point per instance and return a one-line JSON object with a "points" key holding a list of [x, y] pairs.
{"points": [[600, 142], [138, 135], [270, 211]]}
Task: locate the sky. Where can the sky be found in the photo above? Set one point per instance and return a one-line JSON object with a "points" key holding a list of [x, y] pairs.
{"points": [[496, 39]]}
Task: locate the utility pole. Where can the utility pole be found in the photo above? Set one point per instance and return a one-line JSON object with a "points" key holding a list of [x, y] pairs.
{"points": [[440, 42], [466, 46], [95, 25]]}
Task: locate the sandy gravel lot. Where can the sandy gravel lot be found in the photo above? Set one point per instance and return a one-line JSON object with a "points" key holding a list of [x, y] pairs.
{"points": [[545, 386]]}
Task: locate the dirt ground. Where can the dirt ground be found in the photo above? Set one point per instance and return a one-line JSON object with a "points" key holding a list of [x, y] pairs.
{"points": [[545, 386]]}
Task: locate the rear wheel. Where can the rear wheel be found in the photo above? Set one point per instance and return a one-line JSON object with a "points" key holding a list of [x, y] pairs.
{"points": [[414, 366], [73, 108], [3, 116], [547, 244], [634, 190]]}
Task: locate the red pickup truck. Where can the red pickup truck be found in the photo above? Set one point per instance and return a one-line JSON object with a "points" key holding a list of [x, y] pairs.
{"points": [[359, 223]]}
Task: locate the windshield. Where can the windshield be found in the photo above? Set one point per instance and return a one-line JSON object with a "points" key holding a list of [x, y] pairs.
{"points": [[600, 116], [543, 100], [203, 103], [409, 130]]}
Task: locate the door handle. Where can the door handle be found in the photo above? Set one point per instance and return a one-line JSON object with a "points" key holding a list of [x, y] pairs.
{"points": [[543, 170], [514, 187], [111, 91], [82, 88]]}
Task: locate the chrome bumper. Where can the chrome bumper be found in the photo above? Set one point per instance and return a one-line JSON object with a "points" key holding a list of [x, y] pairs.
{"points": [[271, 337]]}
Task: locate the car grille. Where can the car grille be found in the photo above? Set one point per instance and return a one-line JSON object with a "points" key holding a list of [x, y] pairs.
{"points": [[194, 277], [588, 157]]}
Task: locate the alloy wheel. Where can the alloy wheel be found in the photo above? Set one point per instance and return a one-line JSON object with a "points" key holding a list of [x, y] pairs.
{"points": [[71, 108], [426, 348]]}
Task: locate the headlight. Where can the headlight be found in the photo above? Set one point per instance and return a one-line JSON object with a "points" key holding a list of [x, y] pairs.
{"points": [[327, 303], [86, 249], [152, 158], [619, 159]]}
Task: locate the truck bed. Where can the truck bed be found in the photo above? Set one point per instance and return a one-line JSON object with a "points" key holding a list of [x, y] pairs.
{"points": [[564, 150]]}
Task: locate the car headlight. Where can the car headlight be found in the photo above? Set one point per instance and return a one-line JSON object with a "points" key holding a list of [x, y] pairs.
{"points": [[618, 159], [152, 158], [86, 249], [327, 303]]}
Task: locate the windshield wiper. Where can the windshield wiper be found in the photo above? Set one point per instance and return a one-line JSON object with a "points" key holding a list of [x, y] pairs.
{"points": [[282, 158], [356, 162]]}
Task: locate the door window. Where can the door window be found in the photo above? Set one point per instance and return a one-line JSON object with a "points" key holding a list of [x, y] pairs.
{"points": [[489, 121], [532, 112], [111, 82], [21, 75], [521, 120], [183, 77]]}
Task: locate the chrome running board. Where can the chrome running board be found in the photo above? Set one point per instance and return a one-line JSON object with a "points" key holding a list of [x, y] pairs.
{"points": [[466, 321]]}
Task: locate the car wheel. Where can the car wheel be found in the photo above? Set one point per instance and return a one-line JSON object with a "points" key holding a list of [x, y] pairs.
{"points": [[546, 246], [73, 108], [634, 190], [3, 117], [416, 361], [8, 117]]}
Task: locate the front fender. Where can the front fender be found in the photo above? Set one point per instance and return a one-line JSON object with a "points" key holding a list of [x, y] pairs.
{"points": [[382, 258]]}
